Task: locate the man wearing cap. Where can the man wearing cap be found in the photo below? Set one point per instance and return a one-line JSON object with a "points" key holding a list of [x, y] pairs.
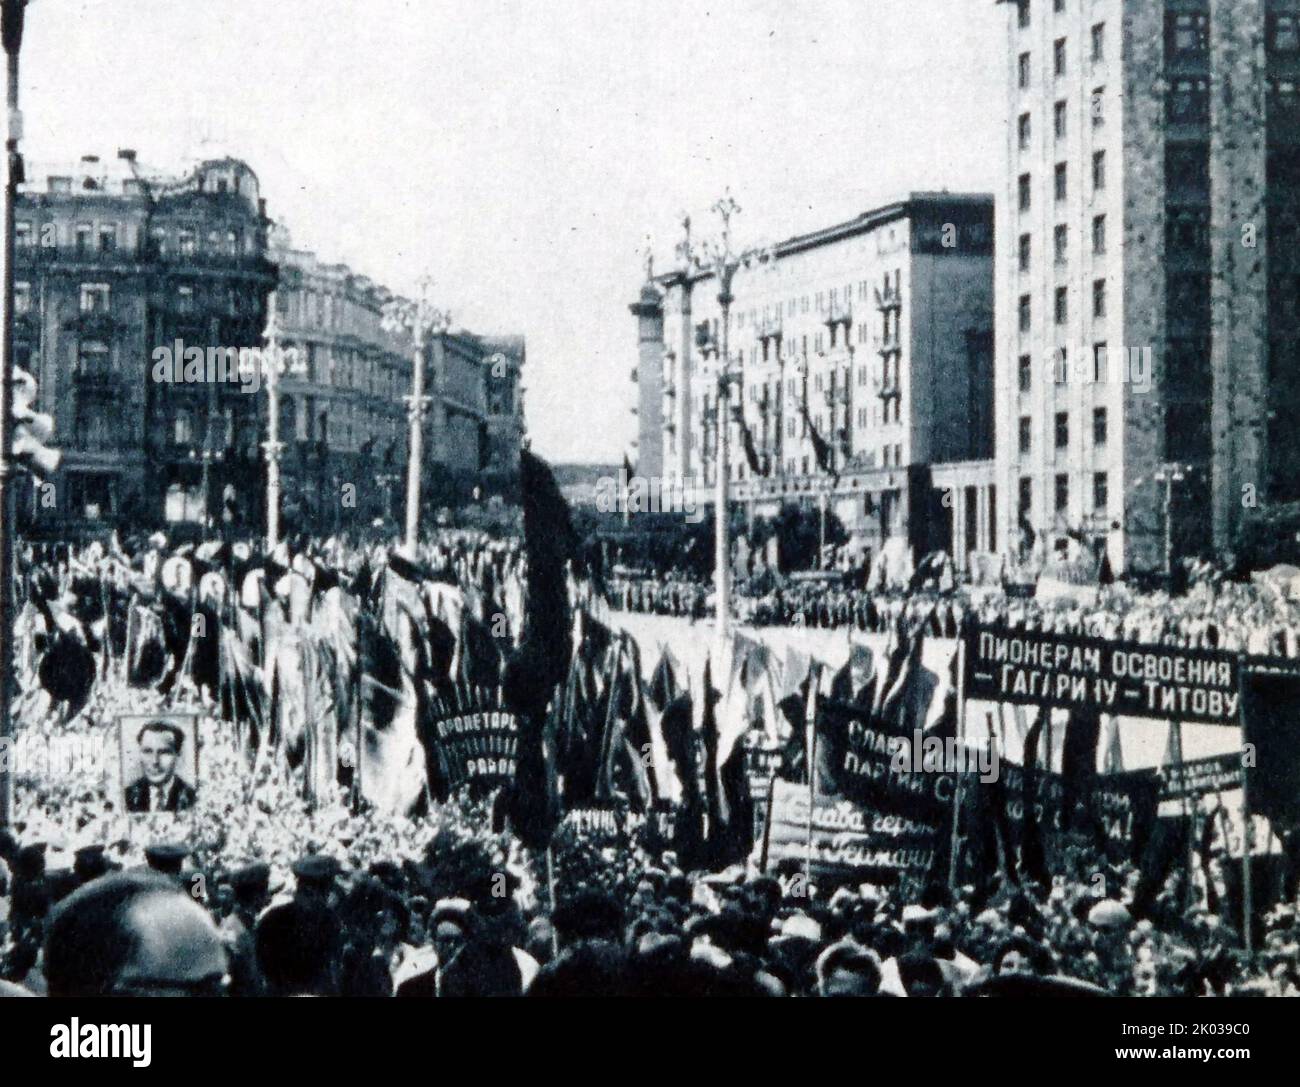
{"points": [[166, 858], [315, 875], [159, 788]]}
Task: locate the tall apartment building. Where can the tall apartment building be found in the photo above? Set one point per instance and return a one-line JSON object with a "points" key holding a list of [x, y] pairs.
{"points": [[882, 328], [112, 261], [1147, 271]]}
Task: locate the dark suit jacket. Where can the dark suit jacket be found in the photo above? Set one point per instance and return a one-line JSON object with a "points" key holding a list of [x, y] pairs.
{"points": [[180, 796]]}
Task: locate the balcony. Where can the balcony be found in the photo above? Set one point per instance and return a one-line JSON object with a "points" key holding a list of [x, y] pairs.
{"points": [[769, 327], [839, 313], [890, 297], [888, 341]]}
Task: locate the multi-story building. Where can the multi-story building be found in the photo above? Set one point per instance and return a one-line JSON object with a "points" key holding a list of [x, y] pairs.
{"points": [[342, 417], [114, 261], [1147, 271], [877, 334]]}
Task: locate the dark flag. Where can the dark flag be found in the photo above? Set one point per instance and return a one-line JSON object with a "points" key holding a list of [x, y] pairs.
{"points": [[1271, 724], [1033, 861], [541, 662], [1079, 763], [821, 447], [747, 441]]}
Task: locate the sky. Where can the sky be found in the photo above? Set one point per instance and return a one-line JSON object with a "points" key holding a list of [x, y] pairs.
{"points": [[525, 152]]}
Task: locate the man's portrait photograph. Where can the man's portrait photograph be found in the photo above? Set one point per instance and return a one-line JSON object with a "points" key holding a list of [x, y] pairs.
{"points": [[159, 762]]}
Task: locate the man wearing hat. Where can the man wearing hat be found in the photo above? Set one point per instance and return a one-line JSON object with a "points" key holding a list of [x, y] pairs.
{"points": [[166, 858], [251, 885], [315, 875], [90, 863]]}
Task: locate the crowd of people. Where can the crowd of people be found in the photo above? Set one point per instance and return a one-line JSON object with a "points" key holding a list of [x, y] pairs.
{"points": [[262, 891], [1258, 618]]}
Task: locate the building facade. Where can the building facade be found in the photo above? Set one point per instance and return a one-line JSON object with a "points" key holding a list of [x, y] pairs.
{"points": [[342, 418], [875, 334], [1147, 356], [114, 261]]}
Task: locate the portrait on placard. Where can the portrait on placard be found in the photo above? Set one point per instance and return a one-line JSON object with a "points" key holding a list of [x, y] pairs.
{"points": [[160, 761]]}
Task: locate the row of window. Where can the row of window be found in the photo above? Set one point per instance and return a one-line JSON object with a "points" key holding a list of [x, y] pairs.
{"points": [[1188, 32], [1060, 243], [1061, 493], [1061, 432], [1100, 367], [832, 301], [1060, 119], [1096, 56], [88, 238], [1061, 305], [1060, 178]]}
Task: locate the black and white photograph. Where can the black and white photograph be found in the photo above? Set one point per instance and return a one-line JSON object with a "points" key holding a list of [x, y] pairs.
{"points": [[160, 768], [652, 499]]}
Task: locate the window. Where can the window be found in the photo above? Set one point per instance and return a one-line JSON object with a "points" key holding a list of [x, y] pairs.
{"points": [[1190, 33], [1098, 43], [23, 236], [185, 299], [1024, 252], [1023, 186], [1061, 310], [1026, 433], [1099, 370], [1058, 6], [1189, 101], [1062, 430], [1062, 492], [1024, 313], [1024, 71], [1025, 497], [1098, 106], [1098, 171], [185, 242], [1025, 370], [93, 357], [1058, 57], [1099, 298], [94, 298], [1022, 13], [1022, 127], [1100, 492], [1060, 242], [1285, 37], [107, 237], [1099, 234], [22, 297], [1060, 181], [83, 236], [1099, 426], [1058, 120]]}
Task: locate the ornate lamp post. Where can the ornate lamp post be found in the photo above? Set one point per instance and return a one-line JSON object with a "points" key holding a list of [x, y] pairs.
{"points": [[421, 321], [1169, 474], [273, 447], [717, 256], [11, 36]]}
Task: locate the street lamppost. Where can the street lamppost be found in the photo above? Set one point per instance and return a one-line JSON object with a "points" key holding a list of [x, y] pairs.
{"points": [[717, 256], [422, 321], [11, 36], [1169, 474], [272, 446]]}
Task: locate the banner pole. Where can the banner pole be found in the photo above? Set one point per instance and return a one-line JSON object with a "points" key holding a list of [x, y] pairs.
{"points": [[812, 772], [1246, 904], [961, 746]]}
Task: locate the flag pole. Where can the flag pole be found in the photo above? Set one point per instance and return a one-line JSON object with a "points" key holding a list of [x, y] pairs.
{"points": [[961, 742], [11, 34], [812, 771], [1246, 904]]}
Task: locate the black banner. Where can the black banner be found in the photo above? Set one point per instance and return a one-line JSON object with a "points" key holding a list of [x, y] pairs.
{"points": [[1197, 777], [473, 738], [1041, 669]]}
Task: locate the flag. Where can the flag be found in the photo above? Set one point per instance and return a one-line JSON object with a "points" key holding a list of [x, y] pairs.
{"points": [[729, 807], [821, 448], [1033, 861], [1079, 764], [541, 662], [747, 442]]}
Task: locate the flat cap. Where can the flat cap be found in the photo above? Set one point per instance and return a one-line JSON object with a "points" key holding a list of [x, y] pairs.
{"points": [[251, 877], [316, 868], [166, 857]]}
